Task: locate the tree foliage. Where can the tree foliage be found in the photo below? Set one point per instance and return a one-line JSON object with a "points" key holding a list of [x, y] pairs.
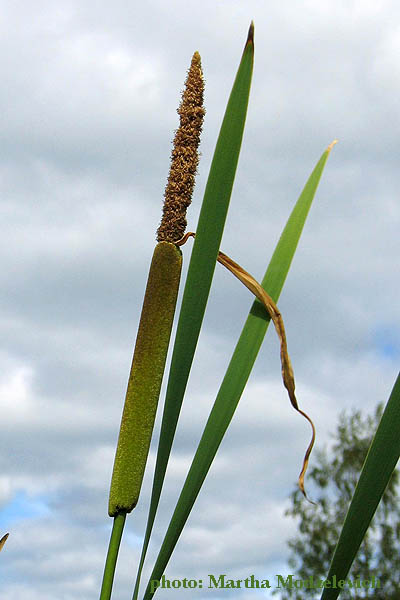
{"points": [[335, 476]]}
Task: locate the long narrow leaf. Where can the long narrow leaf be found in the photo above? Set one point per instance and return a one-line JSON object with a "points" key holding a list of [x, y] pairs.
{"points": [[379, 464], [201, 269], [237, 373]]}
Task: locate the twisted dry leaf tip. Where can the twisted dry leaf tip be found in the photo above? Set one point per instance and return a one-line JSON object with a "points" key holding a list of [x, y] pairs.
{"points": [[329, 148], [3, 541]]}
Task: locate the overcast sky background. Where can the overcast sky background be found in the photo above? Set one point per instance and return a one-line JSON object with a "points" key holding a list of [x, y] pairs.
{"points": [[88, 109]]}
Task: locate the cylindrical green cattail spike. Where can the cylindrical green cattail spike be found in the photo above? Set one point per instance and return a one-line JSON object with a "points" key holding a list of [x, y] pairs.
{"points": [[159, 304], [145, 377]]}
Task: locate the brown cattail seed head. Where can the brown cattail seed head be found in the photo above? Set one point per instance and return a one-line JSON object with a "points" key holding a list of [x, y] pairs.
{"points": [[184, 157]]}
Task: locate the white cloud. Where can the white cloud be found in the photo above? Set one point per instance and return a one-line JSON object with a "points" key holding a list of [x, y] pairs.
{"points": [[88, 101], [15, 401]]}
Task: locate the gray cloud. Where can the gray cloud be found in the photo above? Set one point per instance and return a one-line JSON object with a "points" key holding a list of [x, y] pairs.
{"points": [[88, 100]]}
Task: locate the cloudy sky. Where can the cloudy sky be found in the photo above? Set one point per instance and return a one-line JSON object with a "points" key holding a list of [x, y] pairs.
{"points": [[88, 110]]}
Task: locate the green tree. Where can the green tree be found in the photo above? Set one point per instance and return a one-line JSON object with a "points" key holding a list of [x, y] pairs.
{"points": [[334, 477]]}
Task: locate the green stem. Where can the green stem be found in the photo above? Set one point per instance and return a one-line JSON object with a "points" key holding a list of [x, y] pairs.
{"points": [[112, 555]]}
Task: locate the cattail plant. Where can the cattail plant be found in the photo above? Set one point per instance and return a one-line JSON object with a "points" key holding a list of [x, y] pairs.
{"points": [[156, 319], [151, 347], [155, 327], [157, 315]]}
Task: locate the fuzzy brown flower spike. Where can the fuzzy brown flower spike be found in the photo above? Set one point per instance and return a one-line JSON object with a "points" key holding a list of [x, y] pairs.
{"points": [[184, 157]]}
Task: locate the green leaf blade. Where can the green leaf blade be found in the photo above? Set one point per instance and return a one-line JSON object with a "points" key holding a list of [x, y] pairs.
{"points": [[238, 372], [201, 269], [379, 464], [283, 255]]}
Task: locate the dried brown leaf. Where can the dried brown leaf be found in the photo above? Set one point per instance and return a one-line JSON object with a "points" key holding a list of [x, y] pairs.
{"points": [[276, 317], [3, 541]]}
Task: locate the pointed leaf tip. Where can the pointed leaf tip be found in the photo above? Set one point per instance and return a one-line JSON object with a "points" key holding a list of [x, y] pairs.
{"points": [[250, 35], [329, 148]]}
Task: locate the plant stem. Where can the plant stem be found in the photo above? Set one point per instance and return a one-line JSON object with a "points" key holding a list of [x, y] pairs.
{"points": [[112, 554]]}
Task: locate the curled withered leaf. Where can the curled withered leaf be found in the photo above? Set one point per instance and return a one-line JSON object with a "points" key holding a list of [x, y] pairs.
{"points": [[3, 541], [276, 317]]}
